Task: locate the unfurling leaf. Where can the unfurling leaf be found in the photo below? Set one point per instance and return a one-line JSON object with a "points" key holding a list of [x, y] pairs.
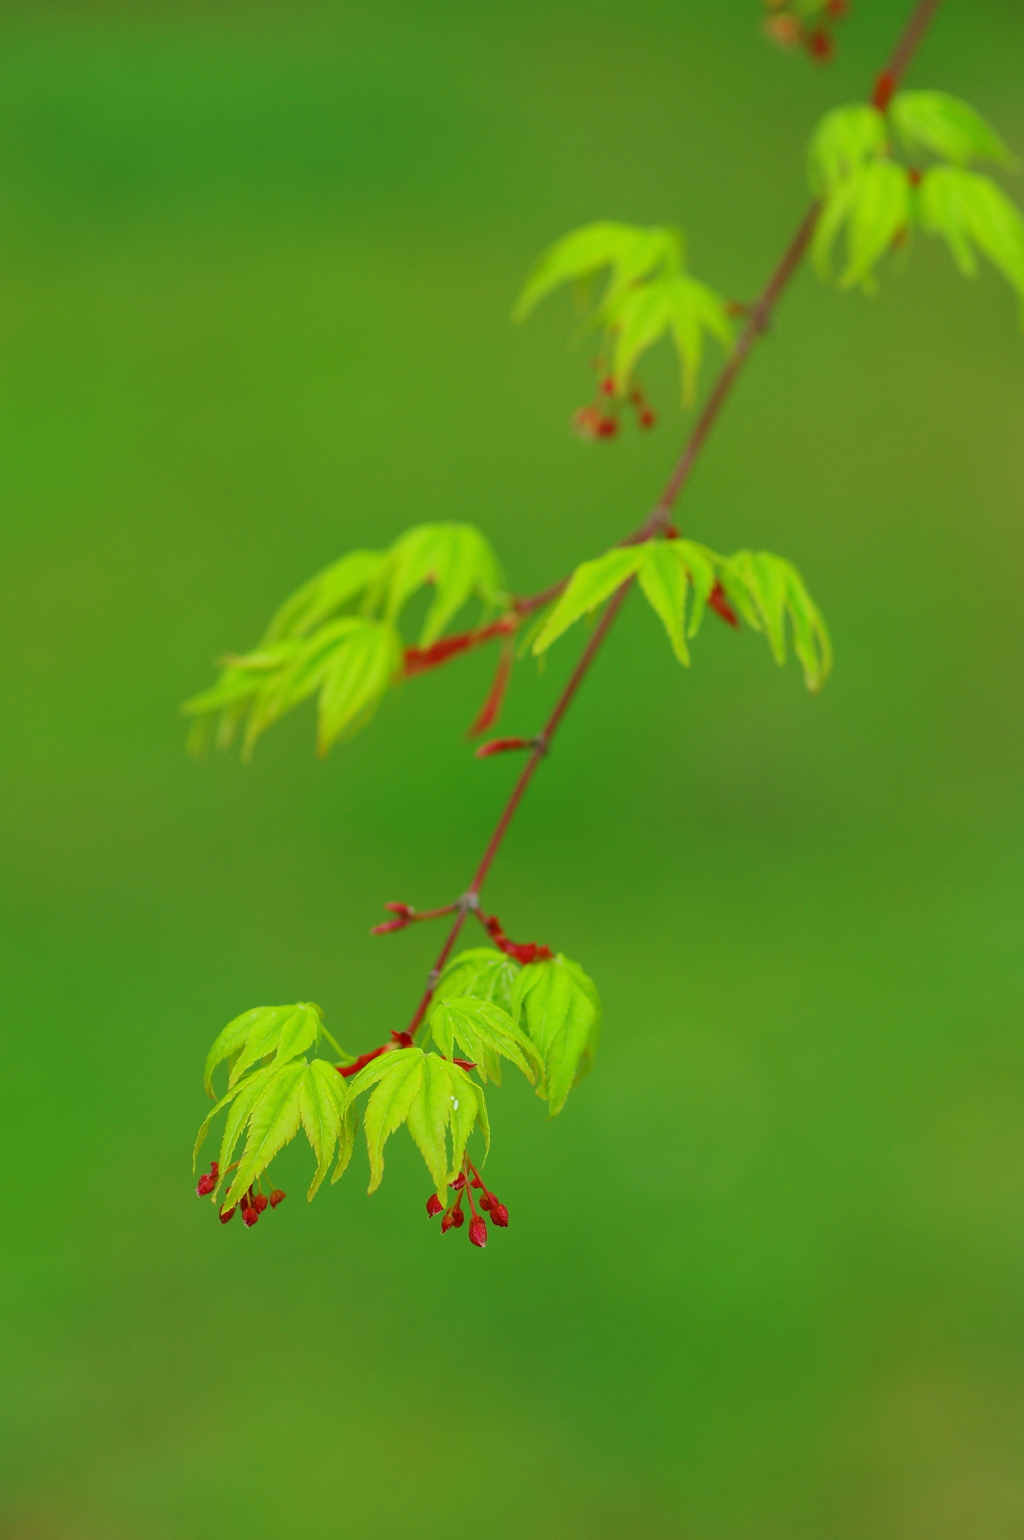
{"points": [[558, 1005], [675, 304], [589, 586], [348, 660]]}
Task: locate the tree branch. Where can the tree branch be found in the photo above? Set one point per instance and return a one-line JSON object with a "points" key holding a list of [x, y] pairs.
{"points": [[757, 322]]}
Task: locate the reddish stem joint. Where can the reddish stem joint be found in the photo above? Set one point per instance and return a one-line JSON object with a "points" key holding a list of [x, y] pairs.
{"points": [[508, 745], [523, 952]]}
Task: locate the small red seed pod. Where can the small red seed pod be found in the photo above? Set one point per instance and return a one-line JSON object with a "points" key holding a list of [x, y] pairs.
{"points": [[485, 1201], [250, 1216], [276, 1197], [226, 1214], [607, 427], [459, 1182], [478, 1230], [260, 1202], [499, 1215], [458, 1218], [447, 1221], [434, 1205], [206, 1185]]}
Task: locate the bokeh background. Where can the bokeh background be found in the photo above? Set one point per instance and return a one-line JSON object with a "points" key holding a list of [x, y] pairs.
{"points": [[764, 1277]]}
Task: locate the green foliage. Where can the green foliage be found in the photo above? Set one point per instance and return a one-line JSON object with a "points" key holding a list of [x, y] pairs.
{"points": [[843, 142], [481, 971], [764, 590], [648, 295], [947, 127], [434, 1097], [348, 661], [278, 1032], [560, 1008], [878, 202], [970, 211], [485, 1033]]}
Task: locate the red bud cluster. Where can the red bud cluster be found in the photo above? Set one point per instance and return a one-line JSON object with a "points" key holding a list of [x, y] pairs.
{"points": [[454, 1217], [523, 952], [252, 1203], [815, 35], [208, 1181], [600, 419]]}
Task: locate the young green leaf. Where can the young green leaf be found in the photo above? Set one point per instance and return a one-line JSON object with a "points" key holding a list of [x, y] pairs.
{"points": [[357, 677], [631, 252], [699, 564], [765, 589], [969, 210], [397, 1086], [428, 1117], [846, 139], [469, 1107], [296, 1028], [663, 579], [483, 972], [482, 1029], [932, 120], [325, 1113], [559, 1007], [273, 1122], [591, 583], [455, 558], [675, 304], [329, 590]]}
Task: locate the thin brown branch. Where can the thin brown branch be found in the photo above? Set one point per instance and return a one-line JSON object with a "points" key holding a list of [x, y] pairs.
{"points": [[758, 319]]}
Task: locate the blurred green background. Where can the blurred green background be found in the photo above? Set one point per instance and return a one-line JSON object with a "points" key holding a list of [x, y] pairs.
{"points": [[256, 264]]}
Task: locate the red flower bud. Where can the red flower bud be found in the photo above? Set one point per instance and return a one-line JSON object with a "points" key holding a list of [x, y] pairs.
{"points": [[476, 1182], [250, 1216], [478, 1230], [214, 1168], [447, 1221], [260, 1202], [226, 1214], [485, 1201], [466, 1064], [607, 427], [837, 8], [206, 1184], [276, 1197], [647, 418], [458, 1218], [607, 386], [499, 1215], [459, 1182], [820, 46], [434, 1205]]}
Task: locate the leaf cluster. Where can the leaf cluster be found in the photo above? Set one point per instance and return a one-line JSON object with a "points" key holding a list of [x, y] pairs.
{"points": [[678, 577], [647, 295], [337, 637], [878, 201], [544, 1018]]}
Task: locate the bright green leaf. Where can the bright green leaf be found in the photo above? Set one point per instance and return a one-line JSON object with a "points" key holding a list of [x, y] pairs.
{"points": [[948, 127], [273, 1121], [663, 579], [389, 1104], [591, 583], [846, 139], [428, 1117]]}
